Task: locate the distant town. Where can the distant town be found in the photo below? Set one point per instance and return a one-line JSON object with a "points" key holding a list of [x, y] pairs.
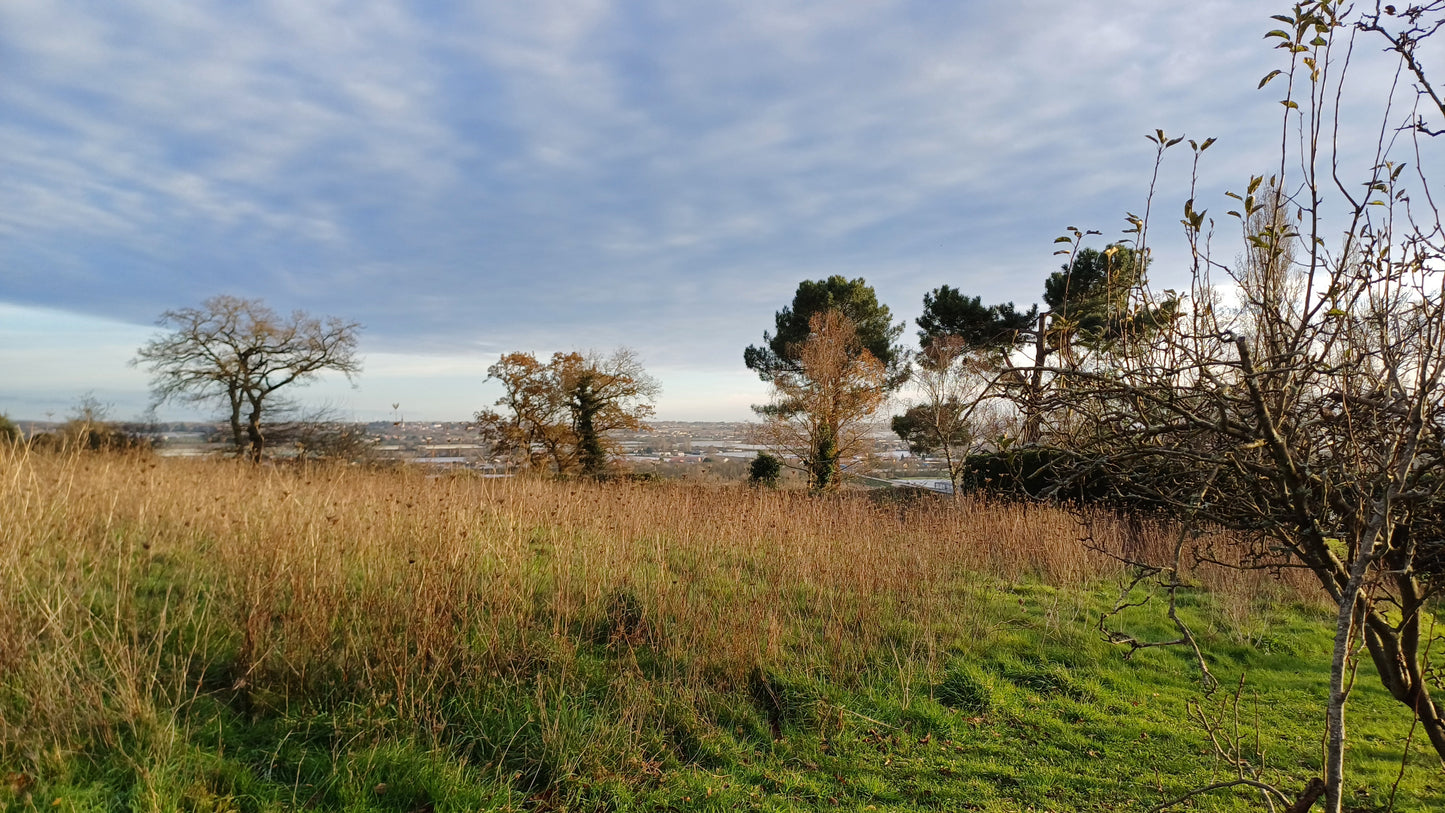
{"points": [[717, 451]]}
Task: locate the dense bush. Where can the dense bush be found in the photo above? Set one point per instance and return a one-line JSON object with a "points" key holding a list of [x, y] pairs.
{"points": [[1058, 475], [9, 432], [766, 470], [80, 435]]}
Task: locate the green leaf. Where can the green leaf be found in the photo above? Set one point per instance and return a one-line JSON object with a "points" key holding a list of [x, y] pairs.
{"points": [[1269, 76], [1278, 33], [1064, 239], [1290, 104]]}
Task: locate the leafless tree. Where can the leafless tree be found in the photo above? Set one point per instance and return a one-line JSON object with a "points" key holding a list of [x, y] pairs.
{"points": [[319, 432], [1298, 395], [953, 385], [239, 353]]}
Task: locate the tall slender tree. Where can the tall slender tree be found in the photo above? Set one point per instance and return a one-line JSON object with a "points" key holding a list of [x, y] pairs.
{"points": [[952, 384], [821, 411], [847, 307]]}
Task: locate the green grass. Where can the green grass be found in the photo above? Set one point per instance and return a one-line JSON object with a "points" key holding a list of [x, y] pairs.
{"points": [[1032, 712], [195, 636]]}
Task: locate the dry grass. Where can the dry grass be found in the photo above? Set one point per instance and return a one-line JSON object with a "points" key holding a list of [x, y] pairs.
{"points": [[129, 586]]}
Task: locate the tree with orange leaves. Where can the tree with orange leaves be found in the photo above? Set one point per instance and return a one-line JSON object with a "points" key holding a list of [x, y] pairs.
{"points": [[821, 411], [558, 414]]}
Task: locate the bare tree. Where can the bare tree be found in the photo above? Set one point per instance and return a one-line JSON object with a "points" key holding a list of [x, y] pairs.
{"points": [[1309, 414], [953, 384], [822, 412], [239, 353], [319, 432]]}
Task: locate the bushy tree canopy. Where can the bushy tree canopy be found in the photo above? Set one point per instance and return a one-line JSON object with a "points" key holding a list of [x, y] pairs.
{"points": [[558, 414], [820, 414], [876, 332], [947, 312], [1091, 299]]}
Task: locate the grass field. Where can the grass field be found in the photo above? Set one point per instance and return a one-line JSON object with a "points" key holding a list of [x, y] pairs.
{"points": [[199, 635]]}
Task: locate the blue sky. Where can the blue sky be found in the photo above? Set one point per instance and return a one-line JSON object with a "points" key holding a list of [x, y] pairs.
{"points": [[472, 178]]}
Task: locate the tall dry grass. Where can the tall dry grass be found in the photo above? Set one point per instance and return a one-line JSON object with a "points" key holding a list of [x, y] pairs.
{"points": [[130, 586]]}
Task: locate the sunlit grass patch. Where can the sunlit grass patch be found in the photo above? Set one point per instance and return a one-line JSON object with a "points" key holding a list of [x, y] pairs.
{"points": [[202, 635]]}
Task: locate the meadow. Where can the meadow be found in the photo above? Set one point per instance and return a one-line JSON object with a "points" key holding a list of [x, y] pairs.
{"points": [[208, 635]]}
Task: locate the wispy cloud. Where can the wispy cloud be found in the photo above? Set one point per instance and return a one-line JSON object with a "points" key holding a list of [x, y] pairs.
{"points": [[469, 178]]}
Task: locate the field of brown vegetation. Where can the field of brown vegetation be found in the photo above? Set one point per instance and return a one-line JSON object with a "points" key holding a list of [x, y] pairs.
{"points": [[284, 580], [134, 588]]}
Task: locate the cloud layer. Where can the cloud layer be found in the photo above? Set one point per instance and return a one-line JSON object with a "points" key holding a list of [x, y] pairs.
{"points": [[471, 178]]}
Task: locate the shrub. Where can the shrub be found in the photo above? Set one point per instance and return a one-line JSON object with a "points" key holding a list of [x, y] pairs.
{"points": [[765, 471], [9, 432], [1058, 475]]}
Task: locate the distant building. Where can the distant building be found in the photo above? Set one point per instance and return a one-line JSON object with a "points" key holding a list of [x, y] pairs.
{"points": [[441, 461]]}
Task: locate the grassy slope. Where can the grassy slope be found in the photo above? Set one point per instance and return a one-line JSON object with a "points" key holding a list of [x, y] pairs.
{"points": [[206, 637]]}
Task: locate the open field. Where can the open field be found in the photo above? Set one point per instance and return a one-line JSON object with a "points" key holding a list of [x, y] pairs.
{"points": [[205, 635]]}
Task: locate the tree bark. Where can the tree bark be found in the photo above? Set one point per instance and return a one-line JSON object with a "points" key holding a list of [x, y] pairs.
{"points": [[254, 434], [238, 433], [1033, 417]]}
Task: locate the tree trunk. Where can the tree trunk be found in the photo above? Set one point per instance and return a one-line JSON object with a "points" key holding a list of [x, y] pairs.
{"points": [[1033, 402], [955, 469], [1351, 618], [590, 451], [238, 433], [253, 432], [824, 470], [1335, 712], [1395, 654]]}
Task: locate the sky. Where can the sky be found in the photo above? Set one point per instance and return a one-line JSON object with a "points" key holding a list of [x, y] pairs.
{"points": [[468, 179]]}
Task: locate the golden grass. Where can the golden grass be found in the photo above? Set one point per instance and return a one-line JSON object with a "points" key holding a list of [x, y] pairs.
{"points": [[130, 584]]}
